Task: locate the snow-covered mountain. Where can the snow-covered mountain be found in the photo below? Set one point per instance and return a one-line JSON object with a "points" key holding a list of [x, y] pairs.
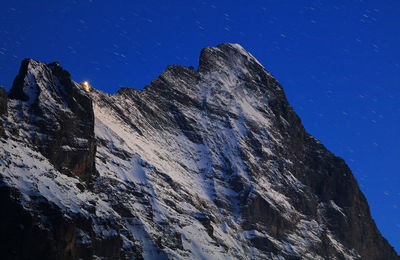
{"points": [[210, 163]]}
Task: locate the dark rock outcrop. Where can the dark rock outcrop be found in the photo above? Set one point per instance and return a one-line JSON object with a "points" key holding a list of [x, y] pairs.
{"points": [[3, 109], [3, 101], [48, 234]]}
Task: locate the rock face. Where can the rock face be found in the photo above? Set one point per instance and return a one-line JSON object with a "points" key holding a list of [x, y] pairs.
{"points": [[59, 116], [3, 101], [3, 109], [210, 163]]}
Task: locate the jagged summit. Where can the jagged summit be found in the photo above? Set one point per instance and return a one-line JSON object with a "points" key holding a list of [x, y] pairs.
{"points": [[225, 56], [61, 114], [202, 164], [37, 79]]}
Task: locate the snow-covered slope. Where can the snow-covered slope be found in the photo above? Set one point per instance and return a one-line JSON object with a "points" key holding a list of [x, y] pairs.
{"points": [[210, 163]]}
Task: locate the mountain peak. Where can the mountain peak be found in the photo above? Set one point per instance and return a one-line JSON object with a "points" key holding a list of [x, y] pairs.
{"points": [[36, 79], [57, 108], [225, 56], [21, 88], [206, 164]]}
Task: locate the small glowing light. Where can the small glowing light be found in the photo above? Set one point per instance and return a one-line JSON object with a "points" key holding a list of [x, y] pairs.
{"points": [[86, 86]]}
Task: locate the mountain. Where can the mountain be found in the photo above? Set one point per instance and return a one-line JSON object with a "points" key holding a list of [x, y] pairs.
{"points": [[210, 163]]}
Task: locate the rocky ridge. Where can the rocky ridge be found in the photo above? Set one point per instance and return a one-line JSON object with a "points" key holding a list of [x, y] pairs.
{"points": [[210, 163]]}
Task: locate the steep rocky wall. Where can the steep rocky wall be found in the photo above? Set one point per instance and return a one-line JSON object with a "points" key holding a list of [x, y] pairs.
{"points": [[62, 114], [3, 109]]}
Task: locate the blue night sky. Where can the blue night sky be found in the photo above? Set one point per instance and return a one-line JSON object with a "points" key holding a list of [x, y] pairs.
{"points": [[338, 61]]}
